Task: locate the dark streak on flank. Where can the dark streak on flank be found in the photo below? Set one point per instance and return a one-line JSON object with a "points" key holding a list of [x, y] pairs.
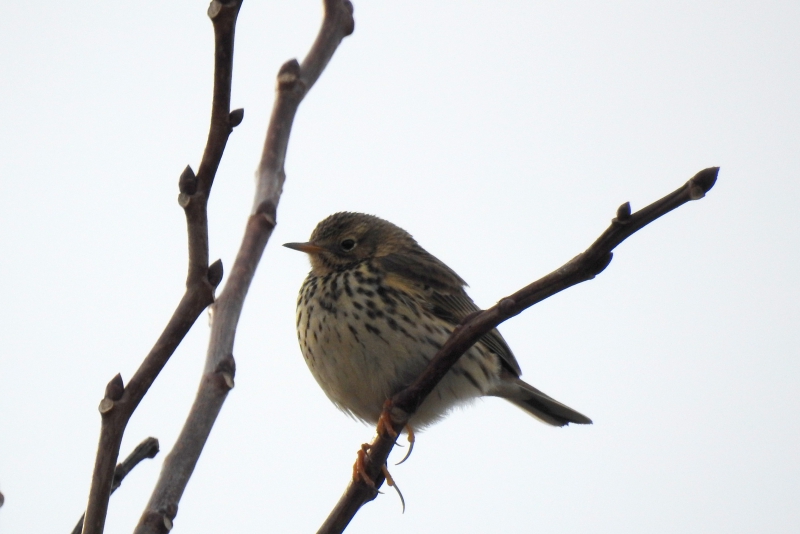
{"points": [[433, 343], [472, 380], [483, 369], [355, 334]]}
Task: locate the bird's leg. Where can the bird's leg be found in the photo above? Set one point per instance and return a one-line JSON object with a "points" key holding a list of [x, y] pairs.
{"points": [[411, 439], [360, 470], [385, 425]]}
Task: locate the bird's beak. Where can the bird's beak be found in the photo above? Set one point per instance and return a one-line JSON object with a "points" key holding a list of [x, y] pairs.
{"points": [[308, 248]]}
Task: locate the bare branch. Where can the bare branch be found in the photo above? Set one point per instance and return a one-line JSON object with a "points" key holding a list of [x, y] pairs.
{"points": [[293, 83], [120, 402], [146, 449], [583, 267]]}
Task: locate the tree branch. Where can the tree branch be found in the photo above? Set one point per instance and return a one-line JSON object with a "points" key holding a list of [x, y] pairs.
{"points": [[293, 83], [120, 402], [146, 449], [583, 267]]}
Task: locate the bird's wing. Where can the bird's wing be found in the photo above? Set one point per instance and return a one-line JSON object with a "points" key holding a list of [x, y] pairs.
{"points": [[443, 293]]}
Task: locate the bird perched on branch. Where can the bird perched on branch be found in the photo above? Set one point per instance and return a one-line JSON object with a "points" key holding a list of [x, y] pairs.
{"points": [[374, 310]]}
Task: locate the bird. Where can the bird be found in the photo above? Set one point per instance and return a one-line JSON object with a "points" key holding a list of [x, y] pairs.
{"points": [[374, 310]]}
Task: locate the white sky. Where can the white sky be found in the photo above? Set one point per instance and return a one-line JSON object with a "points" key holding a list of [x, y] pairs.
{"points": [[503, 136]]}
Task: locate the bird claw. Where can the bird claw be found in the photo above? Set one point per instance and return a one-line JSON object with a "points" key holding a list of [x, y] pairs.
{"points": [[393, 484], [411, 440]]}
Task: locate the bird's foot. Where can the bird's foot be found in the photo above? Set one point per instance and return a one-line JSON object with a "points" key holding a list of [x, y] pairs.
{"points": [[360, 473], [360, 468]]}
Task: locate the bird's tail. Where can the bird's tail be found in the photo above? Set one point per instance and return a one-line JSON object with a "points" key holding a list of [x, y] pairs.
{"points": [[536, 403]]}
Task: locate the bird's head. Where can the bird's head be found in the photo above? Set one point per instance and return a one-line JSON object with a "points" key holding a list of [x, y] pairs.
{"points": [[345, 239]]}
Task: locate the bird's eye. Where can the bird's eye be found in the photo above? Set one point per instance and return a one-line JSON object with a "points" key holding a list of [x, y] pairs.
{"points": [[347, 245]]}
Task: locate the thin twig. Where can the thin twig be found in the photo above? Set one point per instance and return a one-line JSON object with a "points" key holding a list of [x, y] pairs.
{"points": [[293, 83], [120, 402], [583, 267], [146, 449]]}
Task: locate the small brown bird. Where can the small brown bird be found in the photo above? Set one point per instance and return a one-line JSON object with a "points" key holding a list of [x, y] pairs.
{"points": [[374, 310]]}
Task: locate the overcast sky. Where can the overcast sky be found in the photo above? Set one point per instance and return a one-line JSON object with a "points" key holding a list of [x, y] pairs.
{"points": [[503, 135]]}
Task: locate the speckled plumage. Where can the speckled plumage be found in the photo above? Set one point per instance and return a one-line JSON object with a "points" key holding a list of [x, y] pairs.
{"points": [[374, 310]]}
